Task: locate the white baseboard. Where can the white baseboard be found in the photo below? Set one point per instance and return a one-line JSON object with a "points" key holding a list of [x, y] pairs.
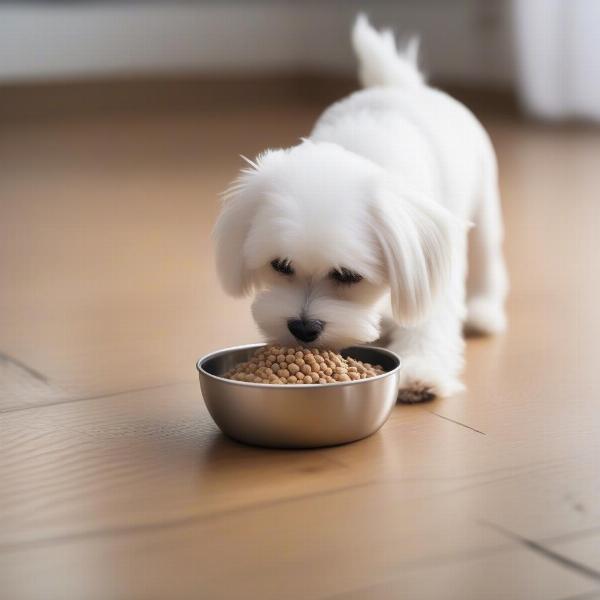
{"points": [[462, 41]]}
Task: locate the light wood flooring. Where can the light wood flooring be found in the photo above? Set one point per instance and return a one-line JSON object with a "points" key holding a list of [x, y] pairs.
{"points": [[114, 481]]}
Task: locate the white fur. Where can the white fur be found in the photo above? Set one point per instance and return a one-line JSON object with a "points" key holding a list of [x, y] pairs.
{"points": [[386, 185]]}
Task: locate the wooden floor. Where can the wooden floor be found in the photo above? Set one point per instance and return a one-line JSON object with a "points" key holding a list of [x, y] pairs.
{"points": [[115, 483]]}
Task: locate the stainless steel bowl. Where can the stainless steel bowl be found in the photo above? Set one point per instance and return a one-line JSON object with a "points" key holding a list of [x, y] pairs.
{"points": [[298, 416]]}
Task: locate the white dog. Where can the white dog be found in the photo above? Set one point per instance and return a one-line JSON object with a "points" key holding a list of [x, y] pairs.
{"points": [[359, 233]]}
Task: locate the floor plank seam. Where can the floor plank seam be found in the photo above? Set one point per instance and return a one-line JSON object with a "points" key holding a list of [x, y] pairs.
{"points": [[542, 550], [6, 358], [573, 535], [457, 422], [193, 518], [88, 398], [187, 520]]}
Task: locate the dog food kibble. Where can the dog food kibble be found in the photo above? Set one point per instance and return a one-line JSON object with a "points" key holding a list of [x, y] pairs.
{"points": [[281, 365]]}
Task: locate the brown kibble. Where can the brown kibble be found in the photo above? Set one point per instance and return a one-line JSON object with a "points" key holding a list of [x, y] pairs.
{"points": [[280, 366]]}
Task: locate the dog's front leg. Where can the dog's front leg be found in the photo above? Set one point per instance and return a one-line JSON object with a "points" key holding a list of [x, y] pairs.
{"points": [[431, 357]]}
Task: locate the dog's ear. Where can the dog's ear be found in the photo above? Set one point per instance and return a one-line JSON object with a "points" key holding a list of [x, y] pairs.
{"points": [[240, 203], [418, 240]]}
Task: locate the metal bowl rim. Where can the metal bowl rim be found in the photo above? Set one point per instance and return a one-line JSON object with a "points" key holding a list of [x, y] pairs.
{"points": [[207, 357]]}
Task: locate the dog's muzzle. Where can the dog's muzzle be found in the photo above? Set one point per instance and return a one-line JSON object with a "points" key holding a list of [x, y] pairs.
{"points": [[305, 330]]}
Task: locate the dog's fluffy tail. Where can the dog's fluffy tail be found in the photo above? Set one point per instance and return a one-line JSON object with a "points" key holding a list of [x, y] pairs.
{"points": [[380, 62]]}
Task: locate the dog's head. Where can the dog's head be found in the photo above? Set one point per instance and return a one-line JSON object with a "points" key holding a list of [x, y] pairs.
{"points": [[324, 238]]}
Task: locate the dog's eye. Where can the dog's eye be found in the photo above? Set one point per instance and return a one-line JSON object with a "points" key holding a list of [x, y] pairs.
{"points": [[282, 266], [345, 276]]}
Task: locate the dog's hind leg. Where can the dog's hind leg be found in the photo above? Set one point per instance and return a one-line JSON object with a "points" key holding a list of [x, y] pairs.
{"points": [[487, 281]]}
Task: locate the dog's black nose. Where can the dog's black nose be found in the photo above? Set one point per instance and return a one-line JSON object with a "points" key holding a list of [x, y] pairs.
{"points": [[305, 330]]}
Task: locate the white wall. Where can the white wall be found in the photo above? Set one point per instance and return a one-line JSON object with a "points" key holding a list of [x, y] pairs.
{"points": [[558, 44], [462, 40]]}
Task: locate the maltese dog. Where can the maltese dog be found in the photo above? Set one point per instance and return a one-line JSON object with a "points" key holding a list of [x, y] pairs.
{"points": [[359, 233]]}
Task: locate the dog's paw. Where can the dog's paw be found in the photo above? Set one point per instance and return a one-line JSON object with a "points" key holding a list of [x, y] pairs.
{"points": [[417, 393], [484, 317], [420, 382]]}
